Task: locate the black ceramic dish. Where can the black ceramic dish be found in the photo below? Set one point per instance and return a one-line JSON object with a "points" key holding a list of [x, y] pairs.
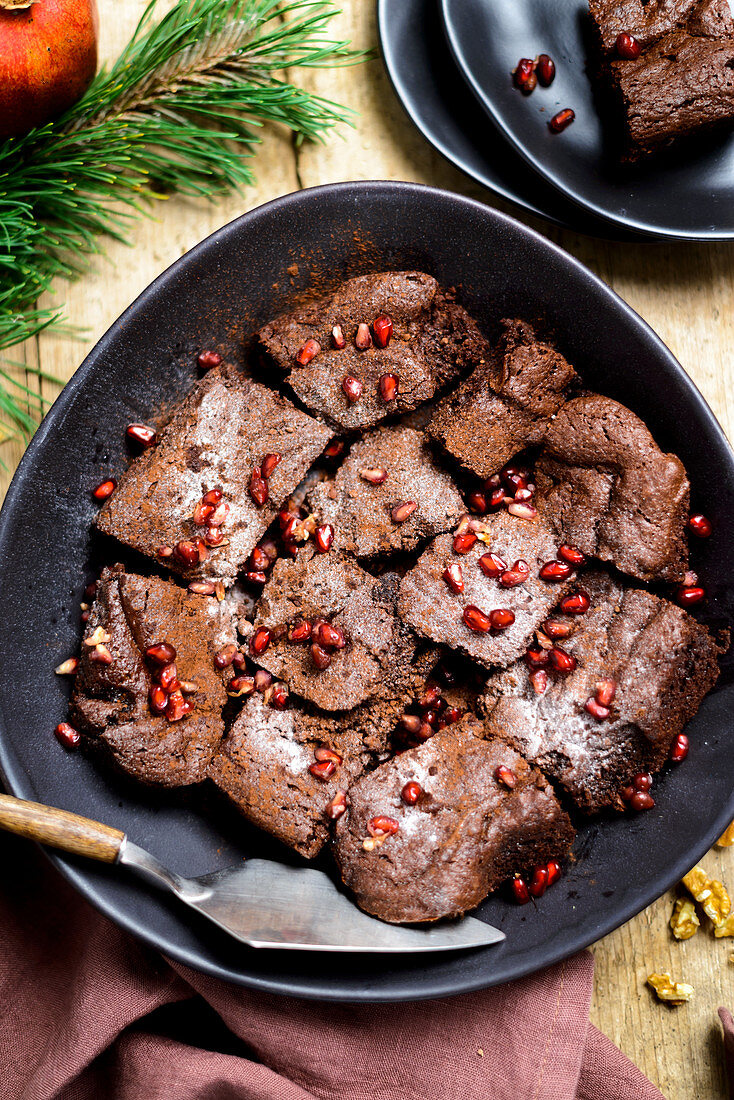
{"points": [[215, 296], [686, 193]]}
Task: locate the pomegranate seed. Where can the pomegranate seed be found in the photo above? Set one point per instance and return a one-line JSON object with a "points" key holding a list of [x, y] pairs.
{"points": [[426, 732], [68, 667], [142, 435], [376, 475], [388, 386], [335, 449], [524, 494], [84, 616], [202, 588], [571, 554], [642, 781], [212, 496], [262, 680], [411, 792], [382, 329], [555, 629], [476, 620], [322, 770], [105, 490], [555, 571], [258, 487], [524, 75], [477, 502], [157, 699], [560, 121], [202, 550], [403, 511], [352, 388], [186, 552], [501, 618], [259, 560], [686, 596], [260, 641], [640, 800], [177, 707], [539, 882], [239, 686], [239, 661], [411, 723], [167, 677], [627, 46], [363, 340], [329, 636], [308, 352], [577, 603], [553, 868], [213, 537], [605, 691], [323, 752], [596, 710], [67, 735], [523, 511], [321, 658], [492, 565], [515, 576], [202, 512], [161, 653], [680, 748], [464, 542], [506, 776], [520, 890], [207, 359], [496, 500], [536, 658], [562, 661], [454, 577], [101, 655], [338, 338], [382, 826], [626, 793], [224, 657], [300, 631], [268, 464], [700, 526], [323, 537], [337, 806], [188, 687], [279, 697], [539, 680], [451, 715], [545, 70], [430, 698]]}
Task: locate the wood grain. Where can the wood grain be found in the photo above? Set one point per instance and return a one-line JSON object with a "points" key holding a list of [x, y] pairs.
{"points": [[60, 829], [684, 291]]}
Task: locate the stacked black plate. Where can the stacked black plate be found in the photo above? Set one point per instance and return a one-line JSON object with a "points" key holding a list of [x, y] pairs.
{"points": [[450, 62]]}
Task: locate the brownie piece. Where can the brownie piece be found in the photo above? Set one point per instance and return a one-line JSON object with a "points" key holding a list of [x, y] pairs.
{"points": [[333, 588], [433, 609], [263, 764], [360, 511], [110, 700], [505, 405], [464, 836], [682, 82], [433, 340], [662, 661], [224, 428], [611, 491]]}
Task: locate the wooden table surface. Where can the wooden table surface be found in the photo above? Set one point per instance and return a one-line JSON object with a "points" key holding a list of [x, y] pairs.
{"points": [[685, 291]]}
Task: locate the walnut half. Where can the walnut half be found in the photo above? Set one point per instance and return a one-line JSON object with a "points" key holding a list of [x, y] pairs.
{"points": [[684, 922], [673, 993], [709, 893]]}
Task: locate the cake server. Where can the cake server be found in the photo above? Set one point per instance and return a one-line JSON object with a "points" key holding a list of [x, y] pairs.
{"points": [[261, 902]]}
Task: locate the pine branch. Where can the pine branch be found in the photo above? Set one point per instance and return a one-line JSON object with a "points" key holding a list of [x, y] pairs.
{"points": [[179, 112]]}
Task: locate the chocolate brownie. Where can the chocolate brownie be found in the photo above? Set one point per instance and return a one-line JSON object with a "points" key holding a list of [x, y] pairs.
{"points": [[609, 489], [389, 468], [505, 405], [220, 432], [332, 589], [434, 609], [263, 763], [464, 835], [681, 80], [111, 698], [661, 663], [429, 339]]}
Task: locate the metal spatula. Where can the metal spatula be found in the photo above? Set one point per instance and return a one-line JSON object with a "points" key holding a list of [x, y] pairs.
{"points": [[262, 903]]}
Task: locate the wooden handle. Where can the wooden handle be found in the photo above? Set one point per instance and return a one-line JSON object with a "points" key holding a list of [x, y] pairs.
{"points": [[60, 829]]}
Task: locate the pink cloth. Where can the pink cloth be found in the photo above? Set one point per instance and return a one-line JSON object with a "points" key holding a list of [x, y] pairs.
{"points": [[86, 1012]]}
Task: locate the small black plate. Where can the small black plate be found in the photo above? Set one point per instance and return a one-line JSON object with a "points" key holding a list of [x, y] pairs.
{"points": [[686, 192], [216, 295]]}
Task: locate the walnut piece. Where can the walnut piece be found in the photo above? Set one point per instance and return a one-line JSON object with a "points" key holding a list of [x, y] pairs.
{"points": [[725, 928], [684, 922], [673, 993], [709, 893], [727, 838]]}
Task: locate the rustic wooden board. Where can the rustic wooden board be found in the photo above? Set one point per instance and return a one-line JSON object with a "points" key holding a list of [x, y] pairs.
{"points": [[685, 291]]}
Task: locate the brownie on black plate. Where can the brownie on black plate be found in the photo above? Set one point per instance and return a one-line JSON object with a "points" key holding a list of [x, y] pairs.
{"points": [[379, 345], [430, 833], [642, 668], [192, 501], [158, 711]]}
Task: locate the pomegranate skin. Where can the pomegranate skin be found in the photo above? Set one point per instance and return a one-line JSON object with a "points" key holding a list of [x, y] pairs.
{"points": [[48, 57]]}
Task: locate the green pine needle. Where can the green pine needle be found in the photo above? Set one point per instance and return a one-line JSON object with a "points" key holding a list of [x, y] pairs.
{"points": [[178, 112]]}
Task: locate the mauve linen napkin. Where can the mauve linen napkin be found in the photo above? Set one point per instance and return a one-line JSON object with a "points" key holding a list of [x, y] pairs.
{"points": [[88, 1013]]}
